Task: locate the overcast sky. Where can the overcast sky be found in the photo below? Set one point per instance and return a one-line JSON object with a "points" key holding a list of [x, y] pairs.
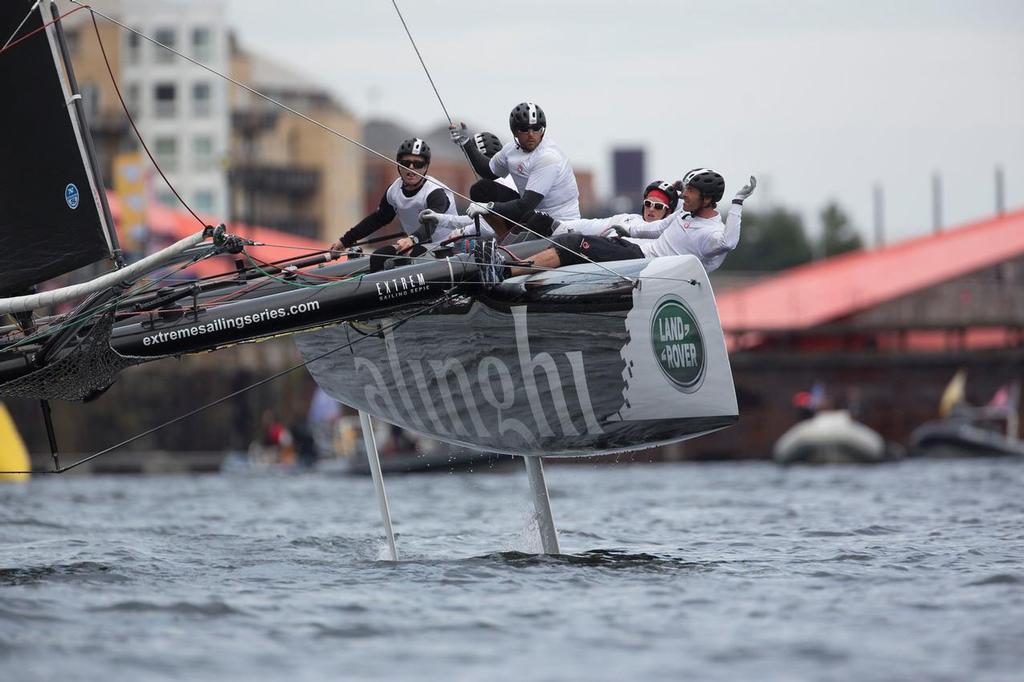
{"points": [[820, 100]]}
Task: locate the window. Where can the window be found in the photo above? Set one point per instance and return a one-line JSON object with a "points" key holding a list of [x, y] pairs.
{"points": [[202, 153], [202, 44], [165, 96], [133, 99], [133, 47], [166, 151], [203, 201], [167, 37], [201, 100]]}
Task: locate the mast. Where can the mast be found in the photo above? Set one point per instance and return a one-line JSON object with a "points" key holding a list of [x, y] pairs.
{"points": [[53, 213], [79, 123]]}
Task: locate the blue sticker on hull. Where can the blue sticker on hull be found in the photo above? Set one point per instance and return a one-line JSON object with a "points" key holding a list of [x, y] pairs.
{"points": [[71, 196]]}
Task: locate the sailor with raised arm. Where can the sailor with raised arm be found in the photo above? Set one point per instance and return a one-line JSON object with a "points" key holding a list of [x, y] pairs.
{"points": [[540, 170], [697, 230], [407, 197]]}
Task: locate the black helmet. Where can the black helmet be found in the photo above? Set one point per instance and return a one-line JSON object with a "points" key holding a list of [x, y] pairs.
{"points": [[708, 182], [667, 189], [527, 114], [487, 143], [414, 146]]}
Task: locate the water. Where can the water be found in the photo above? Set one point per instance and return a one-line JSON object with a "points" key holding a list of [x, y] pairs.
{"points": [[688, 571]]}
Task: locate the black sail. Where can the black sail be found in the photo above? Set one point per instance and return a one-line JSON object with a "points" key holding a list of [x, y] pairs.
{"points": [[50, 223]]}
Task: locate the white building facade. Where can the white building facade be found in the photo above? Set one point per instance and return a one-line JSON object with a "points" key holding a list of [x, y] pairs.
{"points": [[181, 109]]}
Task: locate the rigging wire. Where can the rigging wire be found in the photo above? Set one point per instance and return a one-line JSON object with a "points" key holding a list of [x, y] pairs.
{"points": [[75, 321], [235, 394], [80, 317], [7, 43], [425, 70], [543, 268], [318, 124], [450, 122], [131, 120], [11, 42]]}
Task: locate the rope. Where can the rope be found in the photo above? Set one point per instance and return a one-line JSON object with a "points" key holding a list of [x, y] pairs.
{"points": [[566, 269], [131, 120], [322, 126], [9, 44], [425, 70]]}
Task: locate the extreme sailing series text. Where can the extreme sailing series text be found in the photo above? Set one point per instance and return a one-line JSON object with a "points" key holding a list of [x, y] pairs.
{"points": [[220, 324]]}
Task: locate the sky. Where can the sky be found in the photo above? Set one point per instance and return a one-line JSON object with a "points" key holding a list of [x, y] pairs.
{"points": [[820, 100]]}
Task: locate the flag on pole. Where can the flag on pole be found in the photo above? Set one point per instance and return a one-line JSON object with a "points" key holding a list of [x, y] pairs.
{"points": [[1006, 397], [954, 393]]}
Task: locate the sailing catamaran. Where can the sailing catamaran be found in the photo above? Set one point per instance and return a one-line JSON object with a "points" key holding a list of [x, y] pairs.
{"points": [[577, 361]]}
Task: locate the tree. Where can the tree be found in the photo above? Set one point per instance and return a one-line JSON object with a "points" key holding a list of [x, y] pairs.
{"points": [[771, 240], [838, 235]]}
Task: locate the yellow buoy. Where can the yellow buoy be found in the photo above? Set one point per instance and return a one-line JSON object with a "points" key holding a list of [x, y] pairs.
{"points": [[13, 455]]}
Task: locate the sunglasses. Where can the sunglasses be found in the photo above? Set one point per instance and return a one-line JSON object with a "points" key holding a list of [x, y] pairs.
{"points": [[657, 205], [410, 163], [536, 127]]}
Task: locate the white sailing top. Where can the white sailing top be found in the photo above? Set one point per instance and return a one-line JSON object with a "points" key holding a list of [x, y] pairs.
{"points": [[633, 223], [709, 239], [547, 171], [408, 208]]}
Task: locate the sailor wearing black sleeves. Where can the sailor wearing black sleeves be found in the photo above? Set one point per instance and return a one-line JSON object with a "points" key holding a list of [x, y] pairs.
{"points": [[413, 192], [540, 170]]}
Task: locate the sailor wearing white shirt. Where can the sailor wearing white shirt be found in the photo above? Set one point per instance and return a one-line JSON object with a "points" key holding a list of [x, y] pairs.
{"points": [[660, 199], [696, 230], [699, 229], [540, 170], [405, 199]]}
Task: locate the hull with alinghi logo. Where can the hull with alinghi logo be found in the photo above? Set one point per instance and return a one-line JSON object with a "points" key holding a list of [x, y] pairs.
{"points": [[566, 363]]}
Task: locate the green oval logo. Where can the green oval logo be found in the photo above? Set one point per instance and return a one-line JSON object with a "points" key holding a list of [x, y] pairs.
{"points": [[678, 344]]}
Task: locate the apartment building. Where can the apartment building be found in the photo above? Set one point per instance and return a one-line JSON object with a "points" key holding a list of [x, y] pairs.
{"points": [[231, 155]]}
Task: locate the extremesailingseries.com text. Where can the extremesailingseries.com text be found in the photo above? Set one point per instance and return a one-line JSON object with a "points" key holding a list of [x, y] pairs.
{"points": [[220, 324]]}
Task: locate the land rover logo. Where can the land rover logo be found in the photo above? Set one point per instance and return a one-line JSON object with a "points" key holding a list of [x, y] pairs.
{"points": [[678, 344]]}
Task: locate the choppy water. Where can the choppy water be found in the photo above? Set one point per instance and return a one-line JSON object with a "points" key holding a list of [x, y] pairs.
{"points": [[708, 572]]}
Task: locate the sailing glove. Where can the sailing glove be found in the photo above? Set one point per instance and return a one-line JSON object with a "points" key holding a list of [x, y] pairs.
{"points": [[429, 217], [745, 191], [476, 209], [459, 133], [541, 223]]}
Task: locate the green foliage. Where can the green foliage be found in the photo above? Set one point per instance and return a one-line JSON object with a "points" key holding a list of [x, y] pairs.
{"points": [[838, 235], [770, 240]]}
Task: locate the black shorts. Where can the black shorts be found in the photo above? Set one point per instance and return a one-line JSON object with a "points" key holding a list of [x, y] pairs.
{"points": [[577, 248], [486, 191]]}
